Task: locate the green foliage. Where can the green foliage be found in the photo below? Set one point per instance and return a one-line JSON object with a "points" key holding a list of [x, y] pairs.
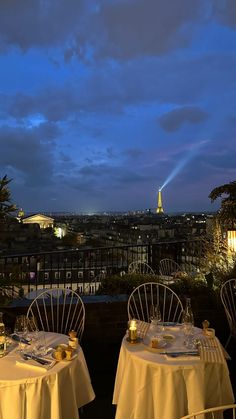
{"points": [[125, 284], [196, 289], [227, 213], [216, 262], [69, 239], [189, 287], [6, 207], [21, 292]]}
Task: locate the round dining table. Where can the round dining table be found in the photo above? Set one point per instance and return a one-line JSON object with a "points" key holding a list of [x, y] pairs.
{"points": [[30, 391], [171, 381]]}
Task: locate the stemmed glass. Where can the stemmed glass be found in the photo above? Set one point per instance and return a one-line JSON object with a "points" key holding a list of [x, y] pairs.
{"points": [[21, 329], [155, 315], [33, 330]]}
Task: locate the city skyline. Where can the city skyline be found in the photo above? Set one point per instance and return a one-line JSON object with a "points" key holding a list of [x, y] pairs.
{"points": [[103, 103]]}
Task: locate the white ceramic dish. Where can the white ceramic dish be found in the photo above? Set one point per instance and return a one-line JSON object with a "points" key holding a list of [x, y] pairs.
{"points": [[168, 338]]}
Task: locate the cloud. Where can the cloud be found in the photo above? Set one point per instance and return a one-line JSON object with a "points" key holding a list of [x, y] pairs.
{"points": [[174, 119], [110, 90], [128, 29], [26, 156], [38, 23], [120, 29], [225, 12]]}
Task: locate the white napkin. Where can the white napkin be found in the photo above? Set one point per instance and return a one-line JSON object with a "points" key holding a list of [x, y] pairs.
{"points": [[183, 358], [30, 363]]}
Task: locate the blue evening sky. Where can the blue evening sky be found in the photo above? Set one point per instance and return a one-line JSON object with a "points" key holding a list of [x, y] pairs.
{"points": [[104, 101]]}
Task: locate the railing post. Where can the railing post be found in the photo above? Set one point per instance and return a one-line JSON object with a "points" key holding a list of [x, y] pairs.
{"points": [[149, 254]]}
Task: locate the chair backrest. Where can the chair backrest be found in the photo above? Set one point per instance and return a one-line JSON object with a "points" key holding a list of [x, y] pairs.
{"points": [[228, 298], [58, 310], [168, 267], [153, 293], [213, 413], [138, 267]]}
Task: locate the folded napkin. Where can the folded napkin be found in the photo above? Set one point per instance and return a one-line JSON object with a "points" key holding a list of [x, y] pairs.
{"points": [[33, 363]]}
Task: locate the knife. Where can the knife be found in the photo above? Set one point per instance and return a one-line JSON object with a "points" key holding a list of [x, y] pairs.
{"points": [[35, 358], [18, 338], [175, 354]]}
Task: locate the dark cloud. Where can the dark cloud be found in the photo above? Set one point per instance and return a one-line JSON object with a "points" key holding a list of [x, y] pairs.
{"points": [[147, 27], [110, 89], [26, 155], [225, 12], [120, 29], [38, 23], [174, 119]]}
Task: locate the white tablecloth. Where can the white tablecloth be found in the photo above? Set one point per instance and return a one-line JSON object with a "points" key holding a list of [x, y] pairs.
{"points": [[32, 393], [150, 385]]}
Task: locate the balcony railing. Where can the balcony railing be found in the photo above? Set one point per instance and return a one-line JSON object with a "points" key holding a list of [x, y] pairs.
{"points": [[83, 269]]}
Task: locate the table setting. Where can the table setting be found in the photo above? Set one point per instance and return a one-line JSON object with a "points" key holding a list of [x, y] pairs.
{"points": [[168, 369], [43, 374]]}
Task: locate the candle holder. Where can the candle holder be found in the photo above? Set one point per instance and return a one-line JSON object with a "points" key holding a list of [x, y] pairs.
{"points": [[132, 332]]}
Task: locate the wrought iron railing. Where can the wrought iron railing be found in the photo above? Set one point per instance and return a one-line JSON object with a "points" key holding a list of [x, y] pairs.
{"points": [[83, 269]]}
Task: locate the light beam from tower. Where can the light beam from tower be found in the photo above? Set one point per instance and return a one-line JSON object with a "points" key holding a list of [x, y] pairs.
{"points": [[159, 209]]}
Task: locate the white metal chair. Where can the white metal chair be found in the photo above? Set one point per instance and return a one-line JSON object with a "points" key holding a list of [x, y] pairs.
{"points": [[58, 310], [168, 269], [138, 267], [214, 413], [228, 298], [152, 293]]}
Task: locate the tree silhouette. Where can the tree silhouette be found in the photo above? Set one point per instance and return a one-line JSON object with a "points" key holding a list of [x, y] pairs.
{"points": [[6, 207], [227, 212]]}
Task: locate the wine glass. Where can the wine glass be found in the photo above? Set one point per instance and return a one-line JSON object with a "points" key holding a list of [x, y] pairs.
{"points": [[21, 330], [155, 316], [33, 329]]}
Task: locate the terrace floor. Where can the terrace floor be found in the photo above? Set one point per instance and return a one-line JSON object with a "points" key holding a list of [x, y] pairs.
{"points": [[102, 361]]}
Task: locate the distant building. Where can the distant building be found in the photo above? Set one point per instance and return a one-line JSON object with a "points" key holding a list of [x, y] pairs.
{"points": [[43, 220]]}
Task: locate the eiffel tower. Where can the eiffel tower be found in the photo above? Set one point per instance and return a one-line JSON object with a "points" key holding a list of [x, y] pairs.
{"points": [[159, 209]]}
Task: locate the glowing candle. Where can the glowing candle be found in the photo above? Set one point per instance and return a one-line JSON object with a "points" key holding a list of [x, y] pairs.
{"points": [[133, 330]]}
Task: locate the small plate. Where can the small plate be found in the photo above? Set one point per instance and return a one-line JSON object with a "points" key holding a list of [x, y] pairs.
{"points": [[168, 338]]}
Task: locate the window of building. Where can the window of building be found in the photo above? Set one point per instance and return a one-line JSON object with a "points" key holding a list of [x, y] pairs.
{"points": [[92, 289]]}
